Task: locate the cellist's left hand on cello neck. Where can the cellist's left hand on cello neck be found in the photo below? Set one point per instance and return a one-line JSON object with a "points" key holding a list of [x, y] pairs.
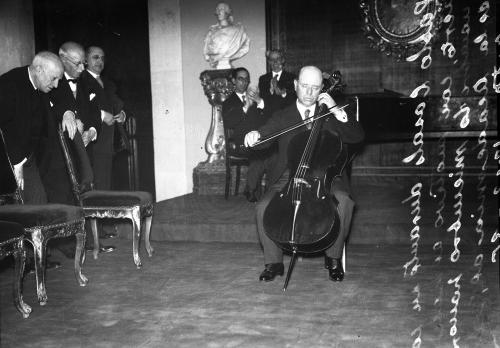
{"points": [[327, 100]]}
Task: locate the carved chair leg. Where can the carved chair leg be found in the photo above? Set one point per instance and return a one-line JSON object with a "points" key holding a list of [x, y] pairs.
{"points": [[20, 258], [95, 235], [147, 234], [136, 235], [80, 257], [39, 249]]}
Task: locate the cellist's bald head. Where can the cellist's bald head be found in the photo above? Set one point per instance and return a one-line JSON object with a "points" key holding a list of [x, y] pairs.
{"points": [[308, 85]]}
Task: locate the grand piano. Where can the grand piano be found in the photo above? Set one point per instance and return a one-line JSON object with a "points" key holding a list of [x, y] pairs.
{"points": [[390, 117]]}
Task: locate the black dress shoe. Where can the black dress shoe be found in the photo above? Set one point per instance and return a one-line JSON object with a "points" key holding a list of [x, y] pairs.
{"points": [[335, 269], [251, 195], [271, 271], [102, 249]]}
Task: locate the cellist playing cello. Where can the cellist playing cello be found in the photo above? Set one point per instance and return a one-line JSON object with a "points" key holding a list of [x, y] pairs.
{"points": [[308, 87]]}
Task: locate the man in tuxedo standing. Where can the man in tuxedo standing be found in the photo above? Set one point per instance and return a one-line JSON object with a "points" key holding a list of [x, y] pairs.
{"points": [[24, 106], [70, 101], [276, 87], [71, 106]]}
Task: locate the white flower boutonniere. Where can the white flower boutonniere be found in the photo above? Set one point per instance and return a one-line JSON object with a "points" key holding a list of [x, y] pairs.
{"points": [[91, 96], [51, 105]]}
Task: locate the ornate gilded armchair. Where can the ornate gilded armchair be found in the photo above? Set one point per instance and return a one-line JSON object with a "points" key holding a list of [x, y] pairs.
{"points": [[12, 243], [40, 223], [98, 204]]}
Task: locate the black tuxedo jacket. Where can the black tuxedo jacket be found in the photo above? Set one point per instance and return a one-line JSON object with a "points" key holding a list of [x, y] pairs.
{"points": [[61, 100], [350, 132], [106, 97], [84, 105], [23, 111], [240, 122], [273, 102]]}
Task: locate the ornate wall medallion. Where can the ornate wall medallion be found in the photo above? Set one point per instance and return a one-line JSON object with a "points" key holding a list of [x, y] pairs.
{"points": [[400, 27]]}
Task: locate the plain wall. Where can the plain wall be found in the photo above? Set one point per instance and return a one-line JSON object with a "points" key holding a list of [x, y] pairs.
{"points": [[17, 38]]}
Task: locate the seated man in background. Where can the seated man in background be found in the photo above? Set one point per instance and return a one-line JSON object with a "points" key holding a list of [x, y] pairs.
{"points": [[242, 111]]}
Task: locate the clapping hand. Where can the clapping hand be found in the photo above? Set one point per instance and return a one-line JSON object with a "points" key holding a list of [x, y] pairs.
{"points": [[253, 96]]}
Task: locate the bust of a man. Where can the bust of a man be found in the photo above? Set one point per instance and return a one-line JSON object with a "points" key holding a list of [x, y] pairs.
{"points": [[225, 41]]}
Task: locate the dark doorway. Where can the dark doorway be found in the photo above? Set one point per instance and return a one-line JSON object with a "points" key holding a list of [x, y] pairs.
{"points": [[120, 27]]}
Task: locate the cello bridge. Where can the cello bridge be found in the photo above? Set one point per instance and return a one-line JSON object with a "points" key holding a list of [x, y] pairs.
{"points": [[301, 181]]}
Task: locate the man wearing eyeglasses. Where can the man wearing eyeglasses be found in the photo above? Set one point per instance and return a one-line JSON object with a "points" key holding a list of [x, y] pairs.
{"points": [[243, 111], [72, 107]]}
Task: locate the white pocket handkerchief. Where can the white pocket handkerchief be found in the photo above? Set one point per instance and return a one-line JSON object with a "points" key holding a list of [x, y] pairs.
{"points": [[91, 96]]}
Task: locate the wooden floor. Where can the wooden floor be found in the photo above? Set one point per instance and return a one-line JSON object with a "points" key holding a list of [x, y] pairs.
{"points": [[201, 288], [208, 295]]}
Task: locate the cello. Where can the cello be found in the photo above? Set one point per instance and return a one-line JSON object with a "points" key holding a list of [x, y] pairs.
{"points": [[303, 217]]}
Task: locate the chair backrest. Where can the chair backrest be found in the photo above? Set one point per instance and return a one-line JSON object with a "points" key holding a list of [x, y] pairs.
{"points": [[9, 191], [77, 163]]}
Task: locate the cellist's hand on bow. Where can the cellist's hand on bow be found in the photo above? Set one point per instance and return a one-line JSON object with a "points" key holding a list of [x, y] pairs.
{"points": [[251, 138], [326, 99], [340, 114]]}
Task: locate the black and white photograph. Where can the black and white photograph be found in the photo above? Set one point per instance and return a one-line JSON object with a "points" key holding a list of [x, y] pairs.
{"points": [[268, 173]]}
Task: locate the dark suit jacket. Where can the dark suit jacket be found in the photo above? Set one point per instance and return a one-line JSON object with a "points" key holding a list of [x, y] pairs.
{"points": [[83, 105], [52, 165], [350, 132], [240, 122], [23, 111], [106, 97], [273, 102]]}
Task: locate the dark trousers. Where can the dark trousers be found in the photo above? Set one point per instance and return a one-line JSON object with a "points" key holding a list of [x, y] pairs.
{"points": [[274, 254], [102, 158], [259, 163], [34, 192]]}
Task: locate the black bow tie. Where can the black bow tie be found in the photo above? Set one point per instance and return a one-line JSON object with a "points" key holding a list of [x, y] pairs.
{"points": [[72, 80]]}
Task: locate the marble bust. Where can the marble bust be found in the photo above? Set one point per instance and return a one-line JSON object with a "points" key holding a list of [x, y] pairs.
{"points": [[226, 40]]}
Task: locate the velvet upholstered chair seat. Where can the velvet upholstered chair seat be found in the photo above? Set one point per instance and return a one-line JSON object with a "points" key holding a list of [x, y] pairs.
{"points": [[136, 206], [103, 198], [12, 243], [40, 223], [31, 216]]}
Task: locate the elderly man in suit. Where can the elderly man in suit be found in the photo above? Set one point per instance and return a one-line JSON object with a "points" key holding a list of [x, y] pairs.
{"points": [[71, 106], [24, 106], [24, 109], [276, 87], [74, 106], [111, 107], [113, 115], [242, 111], [309, 97]]}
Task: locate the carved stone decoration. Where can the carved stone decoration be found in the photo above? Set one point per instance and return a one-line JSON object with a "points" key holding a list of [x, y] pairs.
{"points": [[217, 86], [399, 27]]}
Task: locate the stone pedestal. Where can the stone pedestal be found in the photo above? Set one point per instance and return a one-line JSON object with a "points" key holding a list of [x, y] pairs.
{"points": [[210, 178], [217, 86]]}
